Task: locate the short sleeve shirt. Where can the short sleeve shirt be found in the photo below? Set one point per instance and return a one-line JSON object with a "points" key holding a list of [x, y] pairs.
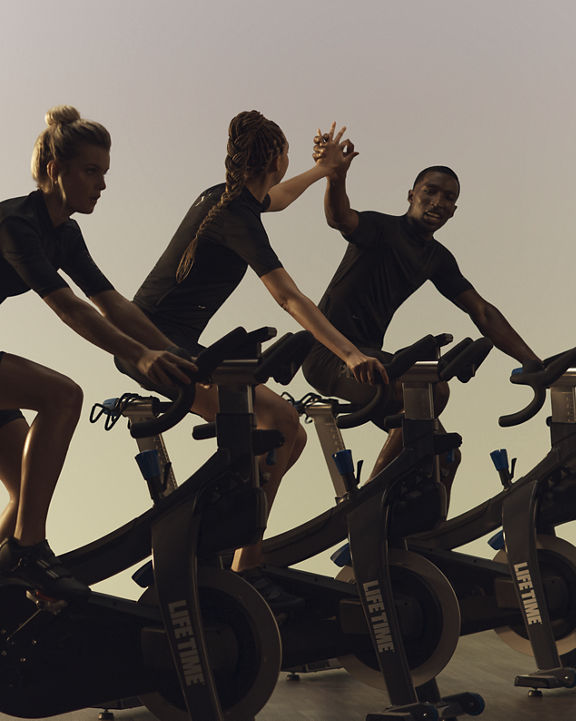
{"points": [[385, 262], [32, 251], [234, 241]]}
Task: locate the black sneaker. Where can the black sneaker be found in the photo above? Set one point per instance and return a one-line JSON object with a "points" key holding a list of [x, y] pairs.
{"points": [[277, 598], [38, 566]]}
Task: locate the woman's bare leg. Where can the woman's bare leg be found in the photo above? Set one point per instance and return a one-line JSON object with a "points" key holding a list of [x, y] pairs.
{"points": [[273, 413], [58, 402], [12, 440]]}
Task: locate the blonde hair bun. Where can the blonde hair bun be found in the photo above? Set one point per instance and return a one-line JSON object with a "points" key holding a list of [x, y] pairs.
{"points": [[62, 115], [61, 140]]}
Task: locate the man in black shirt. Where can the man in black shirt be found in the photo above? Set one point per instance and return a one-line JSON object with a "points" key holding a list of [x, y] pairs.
{"points": [[387, 259]]}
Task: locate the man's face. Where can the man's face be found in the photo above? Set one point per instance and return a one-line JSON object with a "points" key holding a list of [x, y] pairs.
{"points": [[433, 201]]}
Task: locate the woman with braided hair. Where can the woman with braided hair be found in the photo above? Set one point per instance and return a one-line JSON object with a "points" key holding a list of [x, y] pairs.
{"points": [[221, 235], [37, 238]]}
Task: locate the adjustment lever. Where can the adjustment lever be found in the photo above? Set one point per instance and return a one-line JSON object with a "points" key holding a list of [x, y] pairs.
{"points": [[204, 431], [446, 442], [500, 461]]}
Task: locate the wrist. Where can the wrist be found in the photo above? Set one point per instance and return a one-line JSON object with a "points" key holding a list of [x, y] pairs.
{"points": [[336, 176], [132, 350]]}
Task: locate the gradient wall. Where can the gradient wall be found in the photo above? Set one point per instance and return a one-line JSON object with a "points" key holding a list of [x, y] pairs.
{"points": [[483, 87]]}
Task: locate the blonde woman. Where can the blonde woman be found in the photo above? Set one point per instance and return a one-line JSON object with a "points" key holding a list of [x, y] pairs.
{"points": [[38, 238]]}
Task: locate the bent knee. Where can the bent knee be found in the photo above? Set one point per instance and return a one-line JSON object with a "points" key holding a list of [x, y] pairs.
{"points": [[63, 395], [289, 424], [441, 396], [274, 412], [300, 440]]}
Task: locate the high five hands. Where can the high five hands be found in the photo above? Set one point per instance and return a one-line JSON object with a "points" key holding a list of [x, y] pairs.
{"points": [[332, 152]]}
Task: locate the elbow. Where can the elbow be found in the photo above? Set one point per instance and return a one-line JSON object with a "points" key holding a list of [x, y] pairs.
{"points": [[284, 303], [333, 219], [343, 223], [288, 302], [482, 320]]}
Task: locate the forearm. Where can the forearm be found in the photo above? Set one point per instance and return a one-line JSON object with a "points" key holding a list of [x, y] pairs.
{"points": [[85, 320], [130, 319], [337, 208], [303, 310], [284, 193], [494, 326]]}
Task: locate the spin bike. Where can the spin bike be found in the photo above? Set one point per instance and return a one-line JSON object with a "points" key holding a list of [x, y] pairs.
{"points": [[542, 567], [201, 644], [334, 620], [532, 602], [407, 637]]}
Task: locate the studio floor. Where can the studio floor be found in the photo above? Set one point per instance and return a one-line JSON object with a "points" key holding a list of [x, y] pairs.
{"points": [[482, 664]]}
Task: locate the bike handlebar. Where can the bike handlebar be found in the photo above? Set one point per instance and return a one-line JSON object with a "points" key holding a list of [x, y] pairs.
{"points": [[464, 359], [424, 349], [206, 362], [539, 377], [281, 361]]}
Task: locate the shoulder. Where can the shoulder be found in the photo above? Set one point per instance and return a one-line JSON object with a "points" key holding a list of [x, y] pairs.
{"points": [[246, 210], [211, 195], [70, 235], [443, 253], [26, 207], [374, 226], [205, 201], [24, 221]]}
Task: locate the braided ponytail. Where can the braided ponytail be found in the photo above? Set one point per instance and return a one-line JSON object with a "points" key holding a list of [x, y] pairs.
{"points": [[253, 142]]}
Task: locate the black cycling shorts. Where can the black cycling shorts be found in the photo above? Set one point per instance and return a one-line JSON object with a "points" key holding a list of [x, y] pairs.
{"points": [[331, 377]]}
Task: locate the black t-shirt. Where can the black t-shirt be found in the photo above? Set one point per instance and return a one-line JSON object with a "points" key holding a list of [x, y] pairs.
{"points": [[235, 240], [32, 250], [385, 262]]}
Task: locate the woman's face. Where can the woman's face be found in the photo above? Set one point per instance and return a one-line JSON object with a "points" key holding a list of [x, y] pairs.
{"points": [[81, 179]]}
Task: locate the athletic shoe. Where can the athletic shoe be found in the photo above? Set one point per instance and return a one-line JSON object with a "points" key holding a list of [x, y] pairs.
{"points": [[38, 566]]}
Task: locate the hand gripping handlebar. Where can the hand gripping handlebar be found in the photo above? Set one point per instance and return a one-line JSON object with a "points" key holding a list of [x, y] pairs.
{"points": [[424, 349], [206, 361], [539, 377]]}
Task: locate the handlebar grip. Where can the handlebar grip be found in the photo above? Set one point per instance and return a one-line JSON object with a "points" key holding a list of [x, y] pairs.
{"points": [[424, 349], [177, 410], [450, 355], [515, 419], [539, 379], [465, 364], [212, 356], [357, 418], [206, 361], [283, 359], [403, 360], [558, 365]]}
